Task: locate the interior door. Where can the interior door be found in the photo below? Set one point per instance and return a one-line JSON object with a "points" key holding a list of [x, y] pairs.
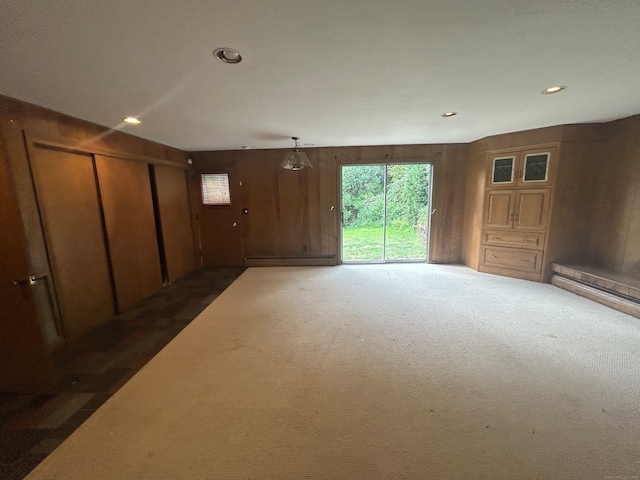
{"points": [[25, 363], [219, 220], [65, 185]]}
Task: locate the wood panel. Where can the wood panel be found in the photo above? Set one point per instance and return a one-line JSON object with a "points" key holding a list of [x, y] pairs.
{"points": [[25, 363], [532, 209], [173, 205], [616, 241], [47, 125], [448, 192], [499, 207], [125, 191], [473, 209], [65, 185]]}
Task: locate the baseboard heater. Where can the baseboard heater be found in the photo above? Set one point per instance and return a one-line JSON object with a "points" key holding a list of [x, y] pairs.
{"points": [[598, 288], [304, 261]]}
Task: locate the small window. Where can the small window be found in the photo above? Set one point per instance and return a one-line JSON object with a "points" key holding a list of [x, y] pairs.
{"points": [[215, 189]]}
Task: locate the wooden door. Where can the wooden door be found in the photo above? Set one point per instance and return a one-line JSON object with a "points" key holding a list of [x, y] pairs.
{"points": [[65, 185], [175, 220], [125, 191], [25, 363], [499, 206], [219, 225], [532, 207]]}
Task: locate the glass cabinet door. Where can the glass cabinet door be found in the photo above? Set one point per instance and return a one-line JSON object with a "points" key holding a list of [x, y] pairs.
{"points": [[536, 167], [502, 170]]}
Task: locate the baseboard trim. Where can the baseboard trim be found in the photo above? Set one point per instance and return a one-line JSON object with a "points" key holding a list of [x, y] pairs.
{"points": [[317, 260]]}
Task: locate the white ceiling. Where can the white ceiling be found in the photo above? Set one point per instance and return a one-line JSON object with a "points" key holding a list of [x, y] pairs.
{"points": [[334, 72]]}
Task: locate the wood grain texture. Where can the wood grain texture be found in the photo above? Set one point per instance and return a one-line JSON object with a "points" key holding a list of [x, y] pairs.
{"points": [[473, 209], [575, 201], [22, 124], [43, 124], [65, 185], [127, 205], [220, 226], [291, 214], [175, 220], [615, 241], [25, 363]]}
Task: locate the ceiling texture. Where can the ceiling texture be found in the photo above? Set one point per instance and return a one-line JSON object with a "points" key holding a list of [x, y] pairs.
{"points": [[333, 72]]}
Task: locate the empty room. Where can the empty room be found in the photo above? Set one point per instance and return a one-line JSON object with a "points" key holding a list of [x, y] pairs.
{"points": [[283, 239]]}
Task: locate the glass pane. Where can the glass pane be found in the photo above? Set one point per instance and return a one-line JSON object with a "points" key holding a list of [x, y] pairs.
{"points": [[407, 211], [503, 170], [215, 189], [535, 167], [362, 213]]}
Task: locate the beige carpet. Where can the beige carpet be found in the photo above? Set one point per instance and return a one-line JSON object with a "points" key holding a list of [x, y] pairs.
{"points": [[372, 372]]}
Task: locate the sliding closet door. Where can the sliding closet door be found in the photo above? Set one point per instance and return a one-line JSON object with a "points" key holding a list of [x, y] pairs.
{"points": [[125, 190], [175, 220], [65, 185]]}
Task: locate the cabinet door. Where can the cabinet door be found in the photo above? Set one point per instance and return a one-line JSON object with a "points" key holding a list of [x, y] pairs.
{"points": [[534, 168], [499, 206], [531, 209], [502, 170]]}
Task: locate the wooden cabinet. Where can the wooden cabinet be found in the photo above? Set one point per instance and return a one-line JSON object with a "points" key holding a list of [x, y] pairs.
{"points": [[515, 213]]}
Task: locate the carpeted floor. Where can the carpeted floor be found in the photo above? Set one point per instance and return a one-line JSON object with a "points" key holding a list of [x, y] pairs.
{"points": [[371, 372]]}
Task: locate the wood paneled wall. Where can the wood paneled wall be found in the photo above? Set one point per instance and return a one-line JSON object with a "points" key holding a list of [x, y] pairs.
{"points": [[615, 239], [296, 214], [23, 127]]}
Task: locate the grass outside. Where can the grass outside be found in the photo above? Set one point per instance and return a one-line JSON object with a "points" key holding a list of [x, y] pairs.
{"points": [[365, 244]]}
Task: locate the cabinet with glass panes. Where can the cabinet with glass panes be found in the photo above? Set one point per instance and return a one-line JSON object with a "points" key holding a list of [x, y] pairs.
{"points": [[521, 168]]}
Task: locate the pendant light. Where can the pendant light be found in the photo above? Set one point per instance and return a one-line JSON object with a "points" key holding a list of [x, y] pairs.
{"points": [[295, 160]]}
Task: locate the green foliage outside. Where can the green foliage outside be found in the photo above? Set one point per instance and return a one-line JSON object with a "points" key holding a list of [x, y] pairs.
{"points": [[363, 210], [365, 244]]}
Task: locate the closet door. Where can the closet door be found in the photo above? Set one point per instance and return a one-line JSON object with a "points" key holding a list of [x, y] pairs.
{"points": [[125, 190], [175, 220], [65, 186]]}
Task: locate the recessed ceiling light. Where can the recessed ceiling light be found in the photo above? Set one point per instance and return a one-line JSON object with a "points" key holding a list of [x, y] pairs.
{"points": [[449, 114], [555, 89], [131, 120], [227, 55]]}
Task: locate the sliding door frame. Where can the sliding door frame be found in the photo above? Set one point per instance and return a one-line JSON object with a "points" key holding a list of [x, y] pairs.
{"points": [[384, 163]]}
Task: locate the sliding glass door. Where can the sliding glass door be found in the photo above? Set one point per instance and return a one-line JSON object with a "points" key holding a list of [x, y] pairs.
{"points": [[385, 212]]}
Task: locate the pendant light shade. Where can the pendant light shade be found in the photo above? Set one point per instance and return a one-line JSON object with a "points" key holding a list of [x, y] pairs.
{"points": [[295, 160]]}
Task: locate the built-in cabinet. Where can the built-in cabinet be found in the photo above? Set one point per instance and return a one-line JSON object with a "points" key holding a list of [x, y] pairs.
{"points": [[515, 214]]}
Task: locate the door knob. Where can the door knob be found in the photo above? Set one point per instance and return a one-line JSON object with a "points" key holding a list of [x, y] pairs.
{"points": [[31, 280]]}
